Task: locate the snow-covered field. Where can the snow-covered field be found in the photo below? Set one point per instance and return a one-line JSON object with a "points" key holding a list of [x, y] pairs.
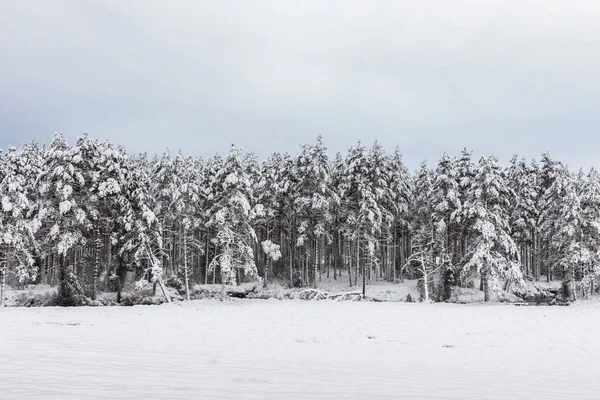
{"points": [[252, 349]]}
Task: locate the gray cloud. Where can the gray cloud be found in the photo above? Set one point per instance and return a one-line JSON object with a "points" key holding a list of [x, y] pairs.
{"points": [[497, 76]]}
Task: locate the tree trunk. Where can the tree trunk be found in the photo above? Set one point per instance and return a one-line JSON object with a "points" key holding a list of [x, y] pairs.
{"points": [[266, 272], [291, 265], [108, 261], [316, 262], [64, 289], [185, 265], [206, 262], [96, 262], [535, 256], [486, 286], [336, 254], [121, 279], [53, 270], [2, 284], [425, 282], [350, 261], [394, 251], [323, 260], [266, 264], [357, 261], [214, 275], [328, 250], [573, 284], [364, 277]]}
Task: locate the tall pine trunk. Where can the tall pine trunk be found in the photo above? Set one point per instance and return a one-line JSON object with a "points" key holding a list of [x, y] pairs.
{"points": [[316, 263], [364, 274], [486, 286], [96, 262], [350, 261], [64, 292], [2, 283], [185, 265], [291, 265], [206, 262]]}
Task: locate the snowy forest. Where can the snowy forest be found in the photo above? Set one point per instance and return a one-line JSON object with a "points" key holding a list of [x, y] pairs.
{"points": [[88, 217]]}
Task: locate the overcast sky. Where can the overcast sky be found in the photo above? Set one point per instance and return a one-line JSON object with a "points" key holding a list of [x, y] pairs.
{"points": [[428, 76]]}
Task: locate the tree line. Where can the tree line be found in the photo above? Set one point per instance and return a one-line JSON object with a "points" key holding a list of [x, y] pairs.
{"points": [[90, 217]]}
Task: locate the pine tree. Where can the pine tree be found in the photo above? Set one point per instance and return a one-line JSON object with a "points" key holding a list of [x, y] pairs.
{"points": [[524, 214], [571, 227], [465, 174], [421, 207], [231, 217], [61, 211], [549, 171], [313, 203], [17, 239], [590, 216], [102, 169], [268, 217], [492, 251], [365, 216], [447, 214], [390, 189], [340, 213], [398, 203]]}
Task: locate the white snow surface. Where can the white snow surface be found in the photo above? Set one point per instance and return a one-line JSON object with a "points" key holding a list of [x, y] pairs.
{"points": [[271, 349]]}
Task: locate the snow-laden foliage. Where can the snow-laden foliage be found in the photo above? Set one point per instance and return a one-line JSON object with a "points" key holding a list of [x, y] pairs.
{"points": [[230, 216], [89, 216], [272, 250], [493, 253], [17, 230]]}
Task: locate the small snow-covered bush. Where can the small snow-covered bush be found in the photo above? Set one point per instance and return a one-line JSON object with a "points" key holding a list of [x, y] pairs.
{"points": [[34, 300], [312, 294], [137, 298]]}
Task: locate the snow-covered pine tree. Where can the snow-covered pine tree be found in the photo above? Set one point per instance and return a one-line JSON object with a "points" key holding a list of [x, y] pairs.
{"points": [[177, 191], [142, 238], [388, 198], [365, 217], [288, 181], [339, 212], [230, 216], [210, 189], [313, 204], [268, 218], [166, 173], [524, 214], [427, 249], [63, 192], [190, 208], [447, 213], [102, 166], [492, 251], [421, 207], [17, 231], [590, 216], [465, 174], [563, 229], [548, 171], [402, 191], [252, 168]]}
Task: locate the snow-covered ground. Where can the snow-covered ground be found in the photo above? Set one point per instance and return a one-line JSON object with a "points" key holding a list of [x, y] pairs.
{"points": [[270, 349]]}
